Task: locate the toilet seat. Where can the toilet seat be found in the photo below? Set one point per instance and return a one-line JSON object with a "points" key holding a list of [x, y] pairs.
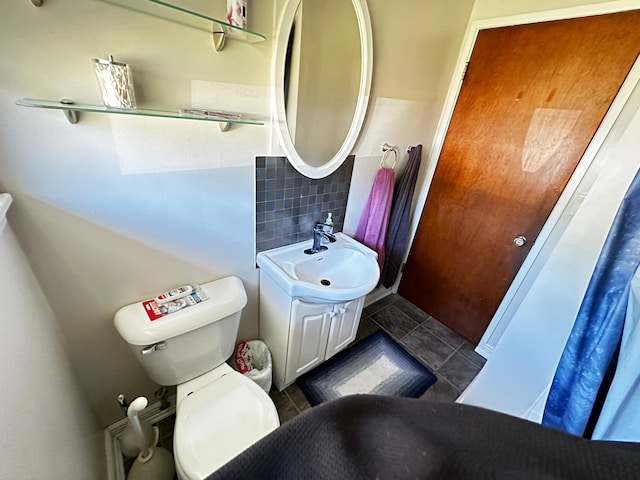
{"points": [[218, 421]]}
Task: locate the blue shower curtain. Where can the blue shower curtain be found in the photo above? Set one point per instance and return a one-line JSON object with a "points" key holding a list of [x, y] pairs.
{"points": [[597, 330], [620, 415]]}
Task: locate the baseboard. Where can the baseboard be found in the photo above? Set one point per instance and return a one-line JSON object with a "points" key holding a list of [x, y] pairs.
{"points": [[375, 295], [485, 350], [151, 414], [536, 410]]}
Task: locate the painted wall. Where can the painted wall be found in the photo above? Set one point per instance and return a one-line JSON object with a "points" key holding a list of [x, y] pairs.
{"points": [[483, 9], [47, 419], [116, 209], [415, 52]]}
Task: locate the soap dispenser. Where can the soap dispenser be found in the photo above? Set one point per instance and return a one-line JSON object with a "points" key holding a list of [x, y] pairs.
{"points": [[328, 227]]}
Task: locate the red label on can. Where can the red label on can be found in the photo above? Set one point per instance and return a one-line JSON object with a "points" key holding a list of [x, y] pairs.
{"points": [[152, 309]]}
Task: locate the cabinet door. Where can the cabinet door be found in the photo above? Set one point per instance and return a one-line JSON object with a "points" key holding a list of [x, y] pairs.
{"points": [[344, 325], [307, 338]]}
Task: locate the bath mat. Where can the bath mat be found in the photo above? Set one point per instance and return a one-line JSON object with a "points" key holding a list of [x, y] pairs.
{"points": [[377, 365]]}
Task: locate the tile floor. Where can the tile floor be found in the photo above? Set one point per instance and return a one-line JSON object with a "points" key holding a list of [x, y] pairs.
{"points": [[446, 354]]}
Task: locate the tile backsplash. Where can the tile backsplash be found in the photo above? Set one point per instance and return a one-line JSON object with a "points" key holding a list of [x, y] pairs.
{"points": [[288, 204]]}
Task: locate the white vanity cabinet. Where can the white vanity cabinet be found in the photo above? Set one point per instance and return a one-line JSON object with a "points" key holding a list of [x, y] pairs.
{"points": [[345, 319], [309, 325], [301, 335]]}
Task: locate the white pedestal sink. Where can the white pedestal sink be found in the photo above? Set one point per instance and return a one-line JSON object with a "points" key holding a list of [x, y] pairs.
{"points": [[345, 271], [310, 304]]}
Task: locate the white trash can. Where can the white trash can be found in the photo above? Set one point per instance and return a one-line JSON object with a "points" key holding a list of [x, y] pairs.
{"points": [[253, 359]]}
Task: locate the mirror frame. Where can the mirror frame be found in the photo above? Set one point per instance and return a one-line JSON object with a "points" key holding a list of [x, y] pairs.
{"points": [[277, 81]]}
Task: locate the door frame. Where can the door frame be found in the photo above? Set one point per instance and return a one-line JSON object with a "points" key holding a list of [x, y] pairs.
{"points": [[575, 190]]}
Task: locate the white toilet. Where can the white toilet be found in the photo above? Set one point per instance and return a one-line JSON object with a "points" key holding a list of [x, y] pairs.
{"points": [[219, 412]]}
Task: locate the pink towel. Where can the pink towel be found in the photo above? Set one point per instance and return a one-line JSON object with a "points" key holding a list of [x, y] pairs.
{"points": [[372, 228]]}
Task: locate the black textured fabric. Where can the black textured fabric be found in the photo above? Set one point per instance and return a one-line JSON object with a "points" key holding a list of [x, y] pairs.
{"points": [[369, 437]]}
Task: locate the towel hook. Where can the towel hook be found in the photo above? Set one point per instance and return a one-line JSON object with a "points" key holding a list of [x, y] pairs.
{"points": [[386, 148]]}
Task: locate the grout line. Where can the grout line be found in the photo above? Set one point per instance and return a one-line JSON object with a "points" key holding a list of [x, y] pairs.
{"points": [[451, 384], [448, 358], [412, 330], [419, 359], [291, 401], [402, 313], [443, 340], [377, 324], [371, 314], [466, 357]]}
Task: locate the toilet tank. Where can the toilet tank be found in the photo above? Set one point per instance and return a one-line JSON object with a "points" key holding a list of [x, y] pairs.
{"points": [[182, 345]]}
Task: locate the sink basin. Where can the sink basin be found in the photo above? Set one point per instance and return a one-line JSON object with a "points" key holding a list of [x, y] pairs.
{"points": [[345, 271]]}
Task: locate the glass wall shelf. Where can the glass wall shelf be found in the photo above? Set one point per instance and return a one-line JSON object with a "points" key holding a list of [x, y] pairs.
{"points": [[224, 119], [186, 12]]}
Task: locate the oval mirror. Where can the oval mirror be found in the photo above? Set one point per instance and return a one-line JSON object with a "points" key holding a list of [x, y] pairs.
{"points": [[322, 78]]}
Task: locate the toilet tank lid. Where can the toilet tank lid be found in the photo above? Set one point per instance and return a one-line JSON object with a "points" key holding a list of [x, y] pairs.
{"points": [[135, 325]]}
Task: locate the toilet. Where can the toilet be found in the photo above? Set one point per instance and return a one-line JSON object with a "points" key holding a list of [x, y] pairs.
{"points": [[219, 411]]}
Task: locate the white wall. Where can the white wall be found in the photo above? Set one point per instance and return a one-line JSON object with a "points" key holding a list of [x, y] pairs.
{"points": [[115, 209], [483, 9], [517, 376], [415, 51], [48, 427]]}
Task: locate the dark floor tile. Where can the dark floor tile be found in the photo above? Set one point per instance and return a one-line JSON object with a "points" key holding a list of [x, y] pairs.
{"points": [[468, 350], [380, 304], [409, 309], [396, 323], [448, 336], [297, 397], [441, 391], [459, 371], [366, 328], [286, 409], [424, 346]]}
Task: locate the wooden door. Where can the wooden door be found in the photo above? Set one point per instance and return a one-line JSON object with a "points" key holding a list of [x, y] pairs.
{"points": [[532, 99]]}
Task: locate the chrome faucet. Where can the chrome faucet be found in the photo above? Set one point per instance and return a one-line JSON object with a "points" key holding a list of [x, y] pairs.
{"points": [[318, 235]]}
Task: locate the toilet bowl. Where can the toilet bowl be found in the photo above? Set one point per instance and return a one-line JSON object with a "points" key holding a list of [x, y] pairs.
{"points": [[218, 415], [219, 412]]}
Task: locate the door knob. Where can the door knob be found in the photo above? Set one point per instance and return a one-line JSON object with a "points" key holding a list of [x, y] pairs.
{"points": [[520, 240]]}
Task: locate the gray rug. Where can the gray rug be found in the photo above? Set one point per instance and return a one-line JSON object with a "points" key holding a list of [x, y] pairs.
{"points": [[377, 365]]}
